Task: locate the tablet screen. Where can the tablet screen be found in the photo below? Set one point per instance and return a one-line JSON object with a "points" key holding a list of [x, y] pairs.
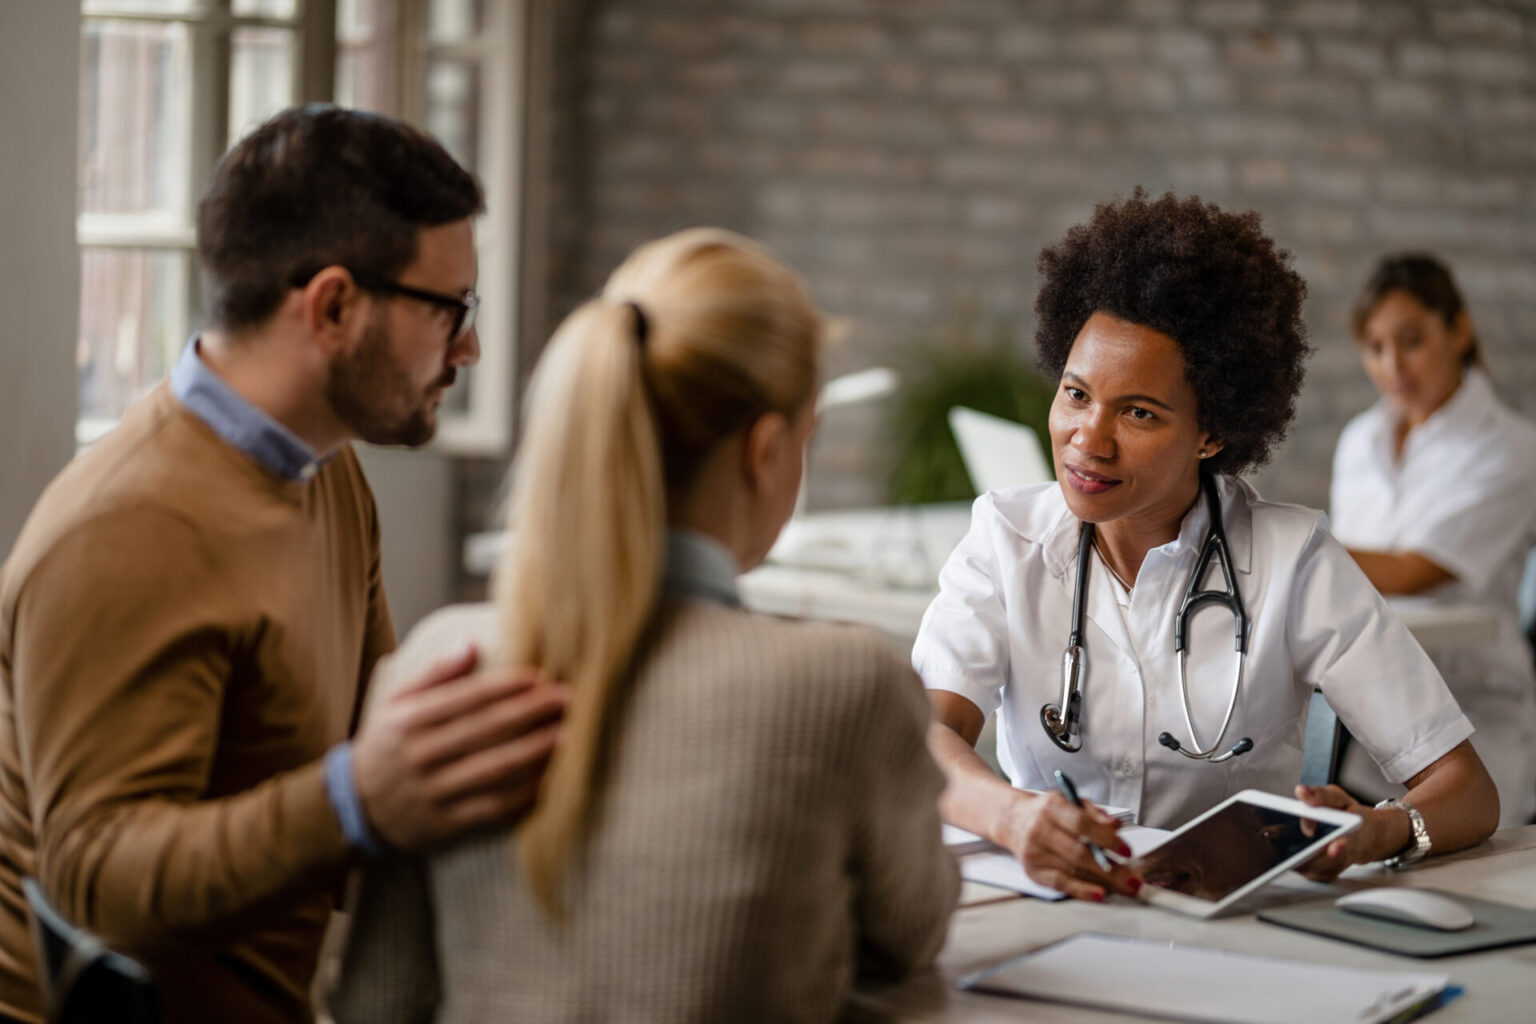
{"points": [[1221, 854]]}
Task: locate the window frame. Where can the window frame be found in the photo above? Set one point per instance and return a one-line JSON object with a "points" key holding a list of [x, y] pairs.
{"points": [[210, 27], [484, 427]]}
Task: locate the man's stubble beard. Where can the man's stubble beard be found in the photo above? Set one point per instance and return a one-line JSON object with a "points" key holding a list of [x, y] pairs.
{"points": [[366, 387]]}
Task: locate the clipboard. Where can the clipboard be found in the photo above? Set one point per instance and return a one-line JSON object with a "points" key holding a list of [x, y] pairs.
{"points": [[1496, 924], [1172, 980]]}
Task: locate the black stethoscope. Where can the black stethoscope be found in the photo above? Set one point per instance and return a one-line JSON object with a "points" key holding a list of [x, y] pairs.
{"points": [[1065, 730]]}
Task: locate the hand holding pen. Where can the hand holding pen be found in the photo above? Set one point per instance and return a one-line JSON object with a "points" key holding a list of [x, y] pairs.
{"points": [[1045, 831], [1063, 844], [1070, 792]]}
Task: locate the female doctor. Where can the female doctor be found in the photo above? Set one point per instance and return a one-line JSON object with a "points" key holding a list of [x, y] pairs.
{"points": [[1175, 331], [1434, 493]]}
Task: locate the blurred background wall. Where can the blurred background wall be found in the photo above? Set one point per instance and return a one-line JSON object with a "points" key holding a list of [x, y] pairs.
{"points": [[912, 157], [39, 267]]}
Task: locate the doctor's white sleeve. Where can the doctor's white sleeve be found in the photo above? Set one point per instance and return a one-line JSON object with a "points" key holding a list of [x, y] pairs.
{"points": [[1345, 640], [962, 644], [1482, 519]]}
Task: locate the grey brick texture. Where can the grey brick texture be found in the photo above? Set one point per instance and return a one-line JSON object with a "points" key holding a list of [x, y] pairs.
{"points": [[912, 157]]}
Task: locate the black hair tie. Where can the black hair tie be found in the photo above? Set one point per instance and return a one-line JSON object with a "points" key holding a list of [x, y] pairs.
{"points": [[642, 329]]}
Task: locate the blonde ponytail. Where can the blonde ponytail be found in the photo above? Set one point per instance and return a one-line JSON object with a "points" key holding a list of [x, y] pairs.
{"points": [[695, 336], [588, 516]]}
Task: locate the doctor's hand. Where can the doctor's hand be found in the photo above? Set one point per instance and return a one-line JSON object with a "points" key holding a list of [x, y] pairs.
{"points": [[1380, 835], [1050, 837], [455, 750]]}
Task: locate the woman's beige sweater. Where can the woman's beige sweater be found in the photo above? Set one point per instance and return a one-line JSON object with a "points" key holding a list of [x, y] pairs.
{"points": [[767, 831]]}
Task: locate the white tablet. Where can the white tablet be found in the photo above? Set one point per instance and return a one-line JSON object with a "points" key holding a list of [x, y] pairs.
{"points": [[1231, 850]]}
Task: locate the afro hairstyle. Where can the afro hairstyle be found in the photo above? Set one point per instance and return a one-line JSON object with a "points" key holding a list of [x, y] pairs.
{"points": [[1212, 281]]}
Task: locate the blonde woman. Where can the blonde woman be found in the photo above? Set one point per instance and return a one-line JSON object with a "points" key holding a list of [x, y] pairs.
{"points": [[741, 812]]}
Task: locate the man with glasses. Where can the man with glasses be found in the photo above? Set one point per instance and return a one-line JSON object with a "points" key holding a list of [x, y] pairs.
{"points": [[190, 616]]}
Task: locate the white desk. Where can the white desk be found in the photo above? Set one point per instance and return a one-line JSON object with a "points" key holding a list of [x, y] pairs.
{"points": [[880, 567], [1500, 984]]}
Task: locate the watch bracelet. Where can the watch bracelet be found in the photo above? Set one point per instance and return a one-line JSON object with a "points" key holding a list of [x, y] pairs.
{"points": [[1419, 842]]}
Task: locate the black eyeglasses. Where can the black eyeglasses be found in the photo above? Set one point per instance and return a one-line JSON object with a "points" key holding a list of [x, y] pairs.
{"points": [[461, 306]]}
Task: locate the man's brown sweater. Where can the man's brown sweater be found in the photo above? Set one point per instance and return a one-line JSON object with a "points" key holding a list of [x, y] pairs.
{"points": [[183, 635]]}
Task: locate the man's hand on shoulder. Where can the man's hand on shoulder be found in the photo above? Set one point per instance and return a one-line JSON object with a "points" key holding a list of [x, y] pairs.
{"points": [[456, 750]]}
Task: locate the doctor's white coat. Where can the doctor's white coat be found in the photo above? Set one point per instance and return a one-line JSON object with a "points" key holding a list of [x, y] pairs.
{"points": [[996, 632], [1463, 495]]}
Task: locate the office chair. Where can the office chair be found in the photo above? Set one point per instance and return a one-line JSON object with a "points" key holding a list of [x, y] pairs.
{"points": [[84, 982], [1323, 748], [1527, 599]]}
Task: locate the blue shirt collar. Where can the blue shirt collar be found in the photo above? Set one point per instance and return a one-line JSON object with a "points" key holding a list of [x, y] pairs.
{"points": [[241, 425], [700, 566]]}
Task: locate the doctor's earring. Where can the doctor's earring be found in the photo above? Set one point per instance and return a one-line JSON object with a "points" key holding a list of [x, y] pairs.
{"points": [[1202, 453]]}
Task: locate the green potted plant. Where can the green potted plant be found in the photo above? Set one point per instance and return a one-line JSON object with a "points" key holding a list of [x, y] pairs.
{"points": [[989, 369]]}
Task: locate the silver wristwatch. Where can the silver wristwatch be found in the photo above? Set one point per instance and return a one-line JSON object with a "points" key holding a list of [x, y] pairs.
{"points": [[1418, 846]]}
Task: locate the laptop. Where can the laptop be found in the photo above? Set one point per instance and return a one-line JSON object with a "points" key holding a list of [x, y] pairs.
{"points": [[998, 453]]}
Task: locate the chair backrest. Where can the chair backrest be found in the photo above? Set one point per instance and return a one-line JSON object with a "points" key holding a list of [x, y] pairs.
{"points": [[1528, 600], [1323, 751], [83, 981]]}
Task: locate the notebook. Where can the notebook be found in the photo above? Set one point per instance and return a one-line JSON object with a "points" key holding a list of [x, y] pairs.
{"points": [[984, 861], [1149, 978], [962, 841]]}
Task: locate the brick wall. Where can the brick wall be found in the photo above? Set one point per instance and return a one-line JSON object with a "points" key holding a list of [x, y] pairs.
{"points": [[913, 156]]}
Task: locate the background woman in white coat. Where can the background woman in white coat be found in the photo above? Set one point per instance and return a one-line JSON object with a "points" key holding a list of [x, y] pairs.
{"points": [[1434, 493], [1175, 331], [741, 812]]}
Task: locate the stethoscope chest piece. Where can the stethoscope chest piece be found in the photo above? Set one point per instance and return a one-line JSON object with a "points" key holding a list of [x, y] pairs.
{"points": [[1066, 730]]}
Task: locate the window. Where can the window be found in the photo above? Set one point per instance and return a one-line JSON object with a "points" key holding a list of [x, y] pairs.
{"points": [[168, 85], [461, 72], [165, 86]]}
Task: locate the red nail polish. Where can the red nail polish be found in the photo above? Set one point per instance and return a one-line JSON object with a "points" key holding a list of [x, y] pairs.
{"points": [[1133, 884], [1097, 897], [1124, 850]]}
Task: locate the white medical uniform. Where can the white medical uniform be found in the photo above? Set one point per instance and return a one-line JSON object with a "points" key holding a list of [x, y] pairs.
{"points": [[996, 632], [1463, 495]]}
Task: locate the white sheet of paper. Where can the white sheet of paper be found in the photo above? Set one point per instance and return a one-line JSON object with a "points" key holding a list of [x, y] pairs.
{"points": [[1002, 869], [1168, 979], [961, 841]]}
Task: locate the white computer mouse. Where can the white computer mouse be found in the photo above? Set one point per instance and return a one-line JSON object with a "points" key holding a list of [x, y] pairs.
{"points": [[1409, 906]]}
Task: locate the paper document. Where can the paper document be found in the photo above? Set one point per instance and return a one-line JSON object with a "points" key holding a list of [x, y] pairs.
{"points": [[961, 842], [997, 867], [1194, 983]]}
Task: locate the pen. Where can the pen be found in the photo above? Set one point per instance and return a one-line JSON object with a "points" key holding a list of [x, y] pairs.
{"points": [[1070, 792]]}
